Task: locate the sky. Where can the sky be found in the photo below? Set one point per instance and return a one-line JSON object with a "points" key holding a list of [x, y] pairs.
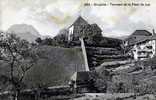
{"points": [[50, 16]]}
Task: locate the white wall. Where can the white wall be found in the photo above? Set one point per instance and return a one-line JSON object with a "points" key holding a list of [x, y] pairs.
{"points": [[71, 29]]}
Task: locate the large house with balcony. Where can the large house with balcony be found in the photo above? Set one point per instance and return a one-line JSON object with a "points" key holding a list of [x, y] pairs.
{"points": [[142, 44]]}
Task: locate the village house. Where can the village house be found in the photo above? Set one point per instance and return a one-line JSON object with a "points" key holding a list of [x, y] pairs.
{"points": [[76, 29], [141, 44]]}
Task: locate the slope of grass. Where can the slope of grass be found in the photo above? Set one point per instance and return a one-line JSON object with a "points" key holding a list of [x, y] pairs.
{"points": [[55, 66]]}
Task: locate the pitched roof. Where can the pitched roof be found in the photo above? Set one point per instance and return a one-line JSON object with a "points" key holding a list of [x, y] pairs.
{"points": [[142, 33], [80, 21], [140, 36], [132, 40]]}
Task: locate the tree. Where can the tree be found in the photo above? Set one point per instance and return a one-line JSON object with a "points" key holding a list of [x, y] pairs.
{"points": [[39, 40], [123, 48], [20, 58], [62, 38], [151, 62], [47, 41], [101, 79], [91, 34]]}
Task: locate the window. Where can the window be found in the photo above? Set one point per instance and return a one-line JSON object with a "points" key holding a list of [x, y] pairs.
{"points": [[149, 47]]}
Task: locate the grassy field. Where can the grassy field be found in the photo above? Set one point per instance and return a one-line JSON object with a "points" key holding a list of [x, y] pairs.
{"points": [[54, 67]]}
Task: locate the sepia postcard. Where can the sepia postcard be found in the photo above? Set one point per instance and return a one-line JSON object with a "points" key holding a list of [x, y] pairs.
{"points": [[77, 50]]}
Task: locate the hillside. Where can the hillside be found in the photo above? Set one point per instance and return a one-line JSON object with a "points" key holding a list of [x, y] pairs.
{"points": [[130, 76], [54, 67]]}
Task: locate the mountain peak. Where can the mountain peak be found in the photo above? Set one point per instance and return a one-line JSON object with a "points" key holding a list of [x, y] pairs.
{"points": [[24, 31]]}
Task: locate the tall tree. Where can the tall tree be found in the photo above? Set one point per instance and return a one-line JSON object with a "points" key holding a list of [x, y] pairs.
{"points": [[38, 40], [20, 58], [61, 39], [91, 34]]}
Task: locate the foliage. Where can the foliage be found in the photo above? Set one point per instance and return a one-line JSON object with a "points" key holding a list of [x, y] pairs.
{"points": [[92, 36], [18, 55], [38, 40], [58, 40], [101, 80], [151, 62]]}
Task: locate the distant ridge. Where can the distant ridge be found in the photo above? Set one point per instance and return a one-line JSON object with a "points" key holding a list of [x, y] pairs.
{"points": [[24, 31]]}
